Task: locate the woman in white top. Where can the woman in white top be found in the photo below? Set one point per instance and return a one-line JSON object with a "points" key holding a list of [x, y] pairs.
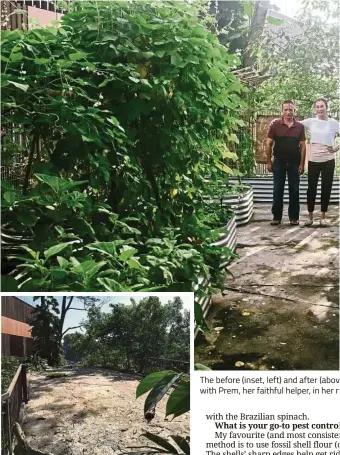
{"points": [[321, 158]]}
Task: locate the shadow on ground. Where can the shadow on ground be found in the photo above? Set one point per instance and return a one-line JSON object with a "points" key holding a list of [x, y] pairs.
{"points": [[281, 309]]}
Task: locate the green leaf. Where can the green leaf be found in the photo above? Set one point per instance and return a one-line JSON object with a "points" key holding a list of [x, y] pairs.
{"points": [[230, 155], [160, 389], [232, 137], [225, 168], [10, 197], [200, 367], [23, 87], [161, 442], [77, 56], [92, 26], [193, 59], [17, 56], [134, 264], [30, 251], [274, 20], [147, 55], [199, 318], [126, 253], [60, 274], [111, 285], [27, 217], [8, 284], [89, 268], [179, 400], [55, 249], [62, 262], [108, 248], [57, 184], [150, 381], [62, 31], [41, 61], [160, 53], [84, 226], [176, 59], [182, 443], [134, 79], [248, 8], [52, 30]]}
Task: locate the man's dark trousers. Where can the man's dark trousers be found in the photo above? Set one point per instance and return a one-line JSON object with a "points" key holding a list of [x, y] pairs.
{"points": [[280, 169]]}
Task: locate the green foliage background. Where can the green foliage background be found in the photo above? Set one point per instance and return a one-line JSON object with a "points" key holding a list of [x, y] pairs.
{"points": [[133, 104], [114, 340]]}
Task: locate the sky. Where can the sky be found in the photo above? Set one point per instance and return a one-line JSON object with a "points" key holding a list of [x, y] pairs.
{"points": [[74, 317], [288, 7]]}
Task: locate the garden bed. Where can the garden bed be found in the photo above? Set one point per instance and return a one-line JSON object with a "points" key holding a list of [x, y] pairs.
{"points": [[243, 205], [262, 187], [237, 197], [226, 240]]}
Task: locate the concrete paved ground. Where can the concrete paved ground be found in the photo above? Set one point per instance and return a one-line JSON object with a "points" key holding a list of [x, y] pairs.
{"points": [[281, 309]]}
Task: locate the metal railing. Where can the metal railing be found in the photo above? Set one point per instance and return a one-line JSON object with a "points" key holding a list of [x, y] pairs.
{"points": [[11, 404]]}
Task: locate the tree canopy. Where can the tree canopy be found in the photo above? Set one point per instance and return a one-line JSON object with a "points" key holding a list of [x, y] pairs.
{"points": [[303, 62], [142, 336]]}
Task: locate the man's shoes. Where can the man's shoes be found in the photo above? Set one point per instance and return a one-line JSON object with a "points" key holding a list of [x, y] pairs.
{"points": [[275, 222], [294, 222], [324, 223], [309, 223]]}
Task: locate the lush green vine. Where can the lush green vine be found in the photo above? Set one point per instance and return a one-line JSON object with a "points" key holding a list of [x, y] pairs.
{"points": [[126, 107]]}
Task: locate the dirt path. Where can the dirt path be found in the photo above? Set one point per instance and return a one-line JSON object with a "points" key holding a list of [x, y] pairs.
{"points": [[92, 412], [281, 311]]}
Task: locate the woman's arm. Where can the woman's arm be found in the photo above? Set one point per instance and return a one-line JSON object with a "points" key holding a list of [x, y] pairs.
{"points": [[306, 122], [335, 147]]}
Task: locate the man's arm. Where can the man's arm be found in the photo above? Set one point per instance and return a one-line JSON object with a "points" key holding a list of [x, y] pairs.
{"points": [[303, 157], [269, 147], [302, 151]]}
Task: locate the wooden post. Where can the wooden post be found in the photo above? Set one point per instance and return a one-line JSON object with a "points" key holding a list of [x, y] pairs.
{"points": [[24, 347], [24, 383], [9, 426]]}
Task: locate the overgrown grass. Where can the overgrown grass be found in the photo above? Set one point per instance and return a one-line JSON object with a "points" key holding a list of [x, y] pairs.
{"points": [[9, 366]]}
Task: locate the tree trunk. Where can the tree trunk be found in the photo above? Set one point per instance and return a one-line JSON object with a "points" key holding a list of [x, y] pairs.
{"points": [[34, 148], [256, 29]]}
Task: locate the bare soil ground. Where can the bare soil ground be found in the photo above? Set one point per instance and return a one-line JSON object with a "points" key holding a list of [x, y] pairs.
{"points": [[281, 309], [93, 412]]}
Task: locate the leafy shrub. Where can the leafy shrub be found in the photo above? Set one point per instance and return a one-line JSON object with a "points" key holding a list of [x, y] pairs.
{"points": [[9, 366], [35, 363], [133, 104]]}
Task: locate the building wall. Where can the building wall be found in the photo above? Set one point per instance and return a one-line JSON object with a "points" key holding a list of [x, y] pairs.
{"points": [[5, 344], [12, 327], [14, 308], [15, 329], [42, 17]]}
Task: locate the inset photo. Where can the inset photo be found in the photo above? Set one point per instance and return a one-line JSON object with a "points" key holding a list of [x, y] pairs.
{"points": [[95, 374]]}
